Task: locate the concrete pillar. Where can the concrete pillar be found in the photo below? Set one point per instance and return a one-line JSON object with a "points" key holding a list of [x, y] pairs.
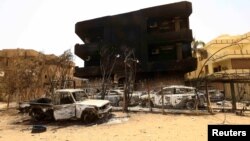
{"points": [[177, 24], [179, 51], [209, 108], [233, 97], [224, 89], [116, 79]]}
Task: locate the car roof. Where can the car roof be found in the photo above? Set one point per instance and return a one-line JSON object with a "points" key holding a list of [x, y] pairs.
{"points": [[118, 90], [68, 90], [178, 86]]}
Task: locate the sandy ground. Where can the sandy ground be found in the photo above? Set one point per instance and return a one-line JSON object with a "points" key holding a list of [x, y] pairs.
{"points": [[122, 127]]}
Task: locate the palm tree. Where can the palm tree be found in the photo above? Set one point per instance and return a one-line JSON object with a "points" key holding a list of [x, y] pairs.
{"points": [[195, 44]]}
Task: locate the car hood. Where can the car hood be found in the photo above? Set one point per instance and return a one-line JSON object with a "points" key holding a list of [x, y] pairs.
{"points": [[93, 102], [217, 94]]}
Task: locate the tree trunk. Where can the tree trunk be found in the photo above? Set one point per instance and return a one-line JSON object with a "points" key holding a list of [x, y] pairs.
{"points": [[104, 90], [149, 99], [162, 100], [125, 98], [234, 107], [209, 109], [8, 102]]}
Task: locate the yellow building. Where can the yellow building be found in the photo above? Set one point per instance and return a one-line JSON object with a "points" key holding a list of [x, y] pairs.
{"points": [[227, 62]]}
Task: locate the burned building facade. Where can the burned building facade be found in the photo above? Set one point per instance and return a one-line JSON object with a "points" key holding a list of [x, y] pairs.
{"points": [[160, 37]]}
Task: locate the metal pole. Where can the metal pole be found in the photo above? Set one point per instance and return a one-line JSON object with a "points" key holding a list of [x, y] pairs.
{"points": [[233, 97], [209, 109], [162, 100], [149, 99]]}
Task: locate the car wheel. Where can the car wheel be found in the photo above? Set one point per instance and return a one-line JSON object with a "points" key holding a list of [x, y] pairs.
{"points": [[202, 102], [149, 104], [50, 115], [37, 114], [146, 103], [38, 129], [89, 116], [120, 103], [190, 105]]}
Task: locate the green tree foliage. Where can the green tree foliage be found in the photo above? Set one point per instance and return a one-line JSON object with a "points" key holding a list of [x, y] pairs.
{"points": [[197, 48]]}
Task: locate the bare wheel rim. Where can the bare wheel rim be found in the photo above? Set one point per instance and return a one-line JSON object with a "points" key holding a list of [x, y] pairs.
{"points": [[89, 116], [38, 115], [190, 105], [120, 103]]}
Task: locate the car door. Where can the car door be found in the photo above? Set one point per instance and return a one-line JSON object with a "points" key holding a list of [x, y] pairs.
{"points": [[113, 97], [177, 96], [65, 106], [181, 96], [168, 96], [167, 93]]}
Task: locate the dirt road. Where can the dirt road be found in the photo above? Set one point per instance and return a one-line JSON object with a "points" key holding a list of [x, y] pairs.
{"points": [[136, 127]]}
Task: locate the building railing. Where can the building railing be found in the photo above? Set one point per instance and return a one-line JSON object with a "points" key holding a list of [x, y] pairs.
{"points": [[229, 41], [232, 54]]}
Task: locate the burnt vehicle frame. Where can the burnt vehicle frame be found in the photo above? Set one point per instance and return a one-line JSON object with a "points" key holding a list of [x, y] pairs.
{"points": [[70, 104]]}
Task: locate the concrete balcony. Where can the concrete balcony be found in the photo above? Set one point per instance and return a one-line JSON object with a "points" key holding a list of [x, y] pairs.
{"points": [[87, 72], [86, 50], [183, 35], [186, 65]]}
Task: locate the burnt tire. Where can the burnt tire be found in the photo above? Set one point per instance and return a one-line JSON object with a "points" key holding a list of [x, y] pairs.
{"points": [[50, 115], [89, 116], [190, 105], [24, 110], [37, 114], [147, 104], [120, 103], [38, 129]]}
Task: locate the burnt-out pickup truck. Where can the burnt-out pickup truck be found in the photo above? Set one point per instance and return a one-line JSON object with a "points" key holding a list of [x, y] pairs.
{"points": [[70, 104]]}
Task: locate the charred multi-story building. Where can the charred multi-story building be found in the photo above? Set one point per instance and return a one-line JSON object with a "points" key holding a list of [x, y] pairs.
{"points": [[160, 37]]}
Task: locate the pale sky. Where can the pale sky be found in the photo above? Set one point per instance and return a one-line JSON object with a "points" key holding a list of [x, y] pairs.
{"points": [[48, 25]]}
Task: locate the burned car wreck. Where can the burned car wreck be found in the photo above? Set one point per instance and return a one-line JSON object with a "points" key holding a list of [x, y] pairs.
{"points": [[24, 106], [115, 96], [70, 104], [175, 96]]}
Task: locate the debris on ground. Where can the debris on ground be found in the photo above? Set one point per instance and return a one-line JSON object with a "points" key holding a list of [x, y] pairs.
{"points": [[38, 129]]}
